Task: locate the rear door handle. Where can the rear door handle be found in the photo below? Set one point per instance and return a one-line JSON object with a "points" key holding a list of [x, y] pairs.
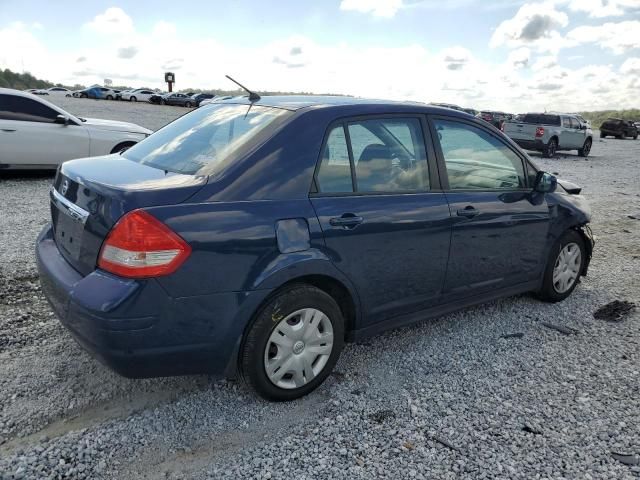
{"points": [[347, 221], [468, 212], [8, 129]]}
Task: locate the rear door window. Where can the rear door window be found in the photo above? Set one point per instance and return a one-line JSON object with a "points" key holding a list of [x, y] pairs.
{"points": [[477, 160], [378, 155]]}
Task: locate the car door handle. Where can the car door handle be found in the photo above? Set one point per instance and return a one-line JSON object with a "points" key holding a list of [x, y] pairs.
{"points": [[468, 212], [348, 220], [8, 129]]}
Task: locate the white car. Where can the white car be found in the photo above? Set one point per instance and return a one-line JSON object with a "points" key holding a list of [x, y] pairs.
{"points": [[35, 134], [138, 95], [56, 91]]}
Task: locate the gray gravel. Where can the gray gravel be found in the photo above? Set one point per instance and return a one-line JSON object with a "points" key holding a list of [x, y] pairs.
{"points": [[449, 398]]}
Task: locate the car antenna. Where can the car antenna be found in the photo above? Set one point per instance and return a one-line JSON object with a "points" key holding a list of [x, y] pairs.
{"points": [[253, 96]]}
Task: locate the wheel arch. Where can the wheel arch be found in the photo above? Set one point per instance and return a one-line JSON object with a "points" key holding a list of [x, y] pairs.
{"points": [[121, 145], [342, 292]]}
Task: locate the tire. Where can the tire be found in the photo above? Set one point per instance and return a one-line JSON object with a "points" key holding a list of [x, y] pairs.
{"points": [[635, 137], [162, 102], [586, 148], [109, 97], [553, 290], [550, 149], [188, 104], [602, 135], [121, 146], [276, 317], [133, 99]]}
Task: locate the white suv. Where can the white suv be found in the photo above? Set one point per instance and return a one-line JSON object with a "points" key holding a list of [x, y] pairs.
{"points": [[37, 134]]}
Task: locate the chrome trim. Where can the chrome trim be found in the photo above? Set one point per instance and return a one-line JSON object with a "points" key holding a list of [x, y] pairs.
{"points": [[69, 208]]}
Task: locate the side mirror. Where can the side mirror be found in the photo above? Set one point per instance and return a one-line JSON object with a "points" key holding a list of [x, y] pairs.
{"points": [[545, 183], [62, 119]]}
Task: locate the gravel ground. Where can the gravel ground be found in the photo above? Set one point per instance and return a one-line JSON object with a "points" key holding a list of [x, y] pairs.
{"points": [[448, 398]]}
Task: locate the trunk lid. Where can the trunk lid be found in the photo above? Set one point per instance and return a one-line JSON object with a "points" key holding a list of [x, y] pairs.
{"points": [[520, 131], [90, 195]]}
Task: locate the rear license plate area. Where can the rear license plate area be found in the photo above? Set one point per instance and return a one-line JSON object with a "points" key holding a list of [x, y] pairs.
{"points": [[67, 232]]}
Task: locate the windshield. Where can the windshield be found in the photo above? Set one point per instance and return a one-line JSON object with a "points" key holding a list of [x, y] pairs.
{"points": [[206, 137]]}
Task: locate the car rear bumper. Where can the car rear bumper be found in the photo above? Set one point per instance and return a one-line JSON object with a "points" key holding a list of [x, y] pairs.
{"points": [[136, 328], [530, 144]]}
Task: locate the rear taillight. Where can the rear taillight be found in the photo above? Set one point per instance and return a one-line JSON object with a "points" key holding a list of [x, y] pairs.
{"points": [[539, 132], [141, 246]]}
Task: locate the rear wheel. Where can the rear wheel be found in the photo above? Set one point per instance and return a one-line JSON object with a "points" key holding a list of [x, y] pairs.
{"points": [[564, 267], [586, 148], [550, 150], [122, 146], [109, 97], [293, 344], [188, 104]]}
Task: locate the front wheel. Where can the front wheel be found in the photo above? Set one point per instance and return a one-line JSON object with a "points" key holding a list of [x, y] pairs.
{"points": [[586, 148], [188, 104], [564, 267], [293, 344], [133, 99], [550, 149], [122, 146], [109, 97]]}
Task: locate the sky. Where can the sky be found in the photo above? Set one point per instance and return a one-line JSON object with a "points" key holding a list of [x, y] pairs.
{"points": [[511, 55]]}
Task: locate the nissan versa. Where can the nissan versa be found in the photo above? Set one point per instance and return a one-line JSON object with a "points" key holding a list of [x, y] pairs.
{"points": [[258, 235]]}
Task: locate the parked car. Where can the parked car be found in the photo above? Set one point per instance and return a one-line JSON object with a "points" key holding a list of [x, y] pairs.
{"points": [[259, 236], [494, 118], [97, 92], [35, 133], [615, 127], [177, 99], [120, 93], [199, 97], [550, 132], [140, 94], [215, 99], [55, 91]]}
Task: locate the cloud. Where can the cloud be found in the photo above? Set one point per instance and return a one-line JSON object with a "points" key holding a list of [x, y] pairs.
{"points": [[111, 22], [164, 29], [545, 62], [519, 58], [127, 52], [377, 8], [631, 66], [81, 59], [295, 51], [533, 25], [604, 8], [618, 37], [456, 58]]}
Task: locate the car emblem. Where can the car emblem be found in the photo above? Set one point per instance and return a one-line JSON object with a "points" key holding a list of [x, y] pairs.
{"points": [[65, 187]]}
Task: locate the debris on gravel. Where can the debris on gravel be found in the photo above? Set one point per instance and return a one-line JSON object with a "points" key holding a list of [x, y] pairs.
{"points": [[614, 311], [447, 398], [560, 328]]}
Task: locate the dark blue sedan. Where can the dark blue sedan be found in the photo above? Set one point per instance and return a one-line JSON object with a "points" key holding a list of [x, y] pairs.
{"points": [[259, 236]]}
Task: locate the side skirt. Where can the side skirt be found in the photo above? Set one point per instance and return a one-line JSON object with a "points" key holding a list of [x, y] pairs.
{"points": [[439, 310]]}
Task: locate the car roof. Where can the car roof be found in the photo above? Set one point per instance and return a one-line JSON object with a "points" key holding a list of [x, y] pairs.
{"points": [[300, 102]]}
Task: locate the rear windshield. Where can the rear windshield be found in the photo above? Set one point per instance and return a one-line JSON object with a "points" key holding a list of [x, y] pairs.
{"points": [[207, 137], [541, 119]]}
